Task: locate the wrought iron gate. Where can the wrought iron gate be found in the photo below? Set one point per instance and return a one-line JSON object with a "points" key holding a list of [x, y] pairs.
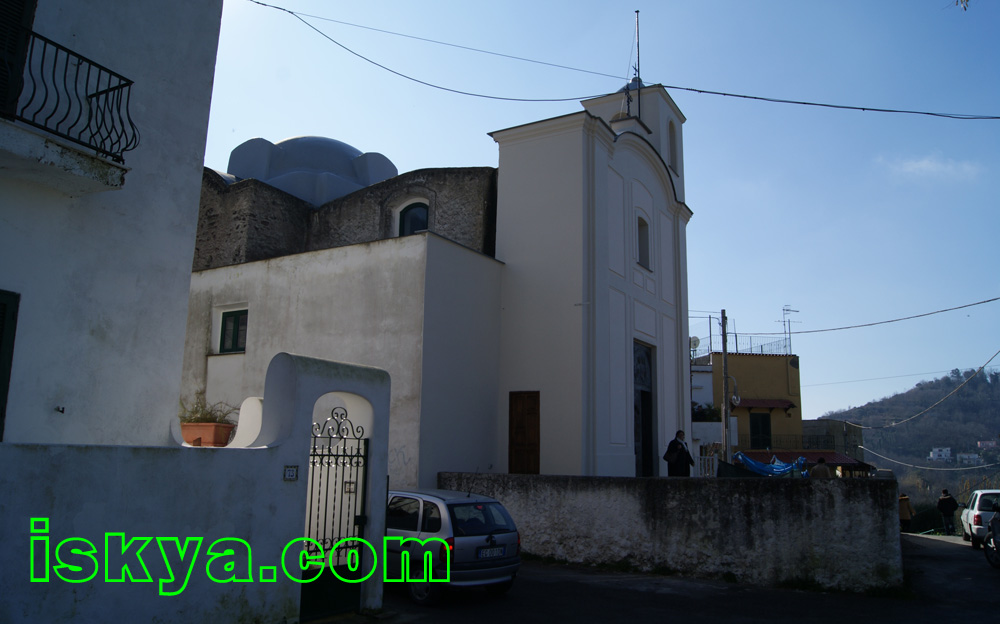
{"points": [[338, 461]]}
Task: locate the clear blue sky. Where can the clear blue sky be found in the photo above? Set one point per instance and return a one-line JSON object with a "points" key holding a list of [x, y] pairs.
{"points": [[848, 217]]}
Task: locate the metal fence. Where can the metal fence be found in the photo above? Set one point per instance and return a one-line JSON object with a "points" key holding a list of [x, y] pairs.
{"points": [[743, 343], [50, 87]]}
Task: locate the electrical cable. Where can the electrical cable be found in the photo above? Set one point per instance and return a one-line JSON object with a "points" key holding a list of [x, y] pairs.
{"points": [[896, 461], [837, 383], [939, 402], [417, 80], [301, 16], [905, 318]]}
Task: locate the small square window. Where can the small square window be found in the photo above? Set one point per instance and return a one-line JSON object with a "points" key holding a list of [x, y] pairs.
{"points": [[234, 332]]}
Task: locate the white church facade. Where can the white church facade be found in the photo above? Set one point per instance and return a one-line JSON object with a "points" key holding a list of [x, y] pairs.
{"points": [[533, 318]]}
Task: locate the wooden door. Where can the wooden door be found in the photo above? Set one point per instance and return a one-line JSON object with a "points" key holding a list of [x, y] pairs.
{"points": [[523, 433]]}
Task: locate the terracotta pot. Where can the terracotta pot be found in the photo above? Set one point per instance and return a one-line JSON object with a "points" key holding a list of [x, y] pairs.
{"points": [[206, 434]]}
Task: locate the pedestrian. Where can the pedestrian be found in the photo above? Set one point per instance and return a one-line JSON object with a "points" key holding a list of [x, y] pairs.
{"points": [[906, 513], [678, 458], [947, 506], [821, 470]]}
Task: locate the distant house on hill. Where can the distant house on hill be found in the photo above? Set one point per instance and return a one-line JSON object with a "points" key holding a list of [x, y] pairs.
{"points": [[968, 459], [940, 454]]}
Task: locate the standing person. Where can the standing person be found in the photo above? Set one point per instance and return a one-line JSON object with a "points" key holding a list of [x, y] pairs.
{"points": [[678, 458], [821, 470], [906, 513], [947, 506]]}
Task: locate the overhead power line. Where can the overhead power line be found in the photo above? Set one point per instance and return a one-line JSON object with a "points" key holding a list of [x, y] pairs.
{"points": [[302, 18], [896, 461], [417, 80], [897, 320], [836, 383], [939, 402]]}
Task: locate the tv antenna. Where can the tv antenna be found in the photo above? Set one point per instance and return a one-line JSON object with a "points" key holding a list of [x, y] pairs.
{"points": [[786, 325]]}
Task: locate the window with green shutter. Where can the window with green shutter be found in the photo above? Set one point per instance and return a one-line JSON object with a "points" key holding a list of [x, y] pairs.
{"points": [[234, 332]]}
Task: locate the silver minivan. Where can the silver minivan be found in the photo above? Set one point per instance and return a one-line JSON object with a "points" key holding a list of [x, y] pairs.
{"points": [[482, 542]]}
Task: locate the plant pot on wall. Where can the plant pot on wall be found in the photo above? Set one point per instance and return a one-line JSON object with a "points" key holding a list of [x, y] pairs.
{"points": [[206, 424], [207, 433]]}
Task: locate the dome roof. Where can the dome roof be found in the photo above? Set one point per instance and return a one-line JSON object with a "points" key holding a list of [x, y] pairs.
{"points": [[314, 153]]}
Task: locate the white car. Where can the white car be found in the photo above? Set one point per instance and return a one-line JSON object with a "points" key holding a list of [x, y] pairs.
{"points": [[484, 547], [977, 514]]}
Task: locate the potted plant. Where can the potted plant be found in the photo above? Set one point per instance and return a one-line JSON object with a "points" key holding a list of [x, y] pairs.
{"points": [[205, 424]]}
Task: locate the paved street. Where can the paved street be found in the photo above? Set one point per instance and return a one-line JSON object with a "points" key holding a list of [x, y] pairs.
{"points": [[945, 577]]}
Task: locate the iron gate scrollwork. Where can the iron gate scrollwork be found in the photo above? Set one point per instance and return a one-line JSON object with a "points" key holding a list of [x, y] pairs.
{"points": [[337, 475]]}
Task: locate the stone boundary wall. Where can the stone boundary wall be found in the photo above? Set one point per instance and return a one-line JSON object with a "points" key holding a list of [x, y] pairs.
{"points": [[840, 534]]}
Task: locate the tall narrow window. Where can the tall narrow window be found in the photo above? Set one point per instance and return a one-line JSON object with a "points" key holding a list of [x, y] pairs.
{"points": [[672, 148], [234, 332], [8, 318], [413, 219], [643, 233]]}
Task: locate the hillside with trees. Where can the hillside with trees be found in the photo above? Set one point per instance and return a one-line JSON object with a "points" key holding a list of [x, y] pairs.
{"points": [[959, 422]]}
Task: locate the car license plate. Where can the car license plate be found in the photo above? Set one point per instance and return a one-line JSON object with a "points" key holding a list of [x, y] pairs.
{"points": [[491, 553]]}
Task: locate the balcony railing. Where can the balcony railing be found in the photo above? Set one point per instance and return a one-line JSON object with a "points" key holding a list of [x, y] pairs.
{"points": [[55, 89], [787, 442]]}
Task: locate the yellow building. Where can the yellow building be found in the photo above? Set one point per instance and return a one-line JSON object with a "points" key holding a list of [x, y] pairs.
{"points": [[769, 405]]}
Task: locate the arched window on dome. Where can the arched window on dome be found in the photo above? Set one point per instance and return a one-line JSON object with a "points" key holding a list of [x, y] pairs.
{"points": [[413, 219]]}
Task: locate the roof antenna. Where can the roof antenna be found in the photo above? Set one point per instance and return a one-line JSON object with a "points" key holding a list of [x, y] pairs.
{"points": [[638, 74]]}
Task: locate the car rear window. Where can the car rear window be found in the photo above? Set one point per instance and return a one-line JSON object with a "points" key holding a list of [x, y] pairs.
{"points": [[986, 502], [479, 519]]}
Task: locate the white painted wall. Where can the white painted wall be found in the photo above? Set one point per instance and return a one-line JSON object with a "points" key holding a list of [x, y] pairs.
{"points": [[418, 307], [461, 349], [202, 494], [541, 212], [103, 277]]}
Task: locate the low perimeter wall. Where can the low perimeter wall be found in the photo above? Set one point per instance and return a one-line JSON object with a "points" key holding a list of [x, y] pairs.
{"points": [[831, 533]]}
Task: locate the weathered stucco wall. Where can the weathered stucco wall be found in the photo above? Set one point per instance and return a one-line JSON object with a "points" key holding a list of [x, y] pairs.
{"points": [[830, 533]]}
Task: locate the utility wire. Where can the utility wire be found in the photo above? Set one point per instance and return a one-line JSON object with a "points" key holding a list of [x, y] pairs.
{"points": [[895, 461], [301, 16], [836, 383], [417, 80], [905, 318], [939, 402]]}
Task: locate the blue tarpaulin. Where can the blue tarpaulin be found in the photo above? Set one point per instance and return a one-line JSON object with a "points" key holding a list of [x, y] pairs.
{"points": [[774, 469]]}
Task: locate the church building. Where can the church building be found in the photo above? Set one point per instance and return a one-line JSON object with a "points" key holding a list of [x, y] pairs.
{"points": [[532, 317]]}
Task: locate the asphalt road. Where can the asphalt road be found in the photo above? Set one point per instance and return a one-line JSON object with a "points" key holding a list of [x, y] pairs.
{"points": [[945, 580]]}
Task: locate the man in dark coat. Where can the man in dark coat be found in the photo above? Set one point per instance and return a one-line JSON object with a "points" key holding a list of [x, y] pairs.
{"points": [[678, 458], [947, 506]]}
